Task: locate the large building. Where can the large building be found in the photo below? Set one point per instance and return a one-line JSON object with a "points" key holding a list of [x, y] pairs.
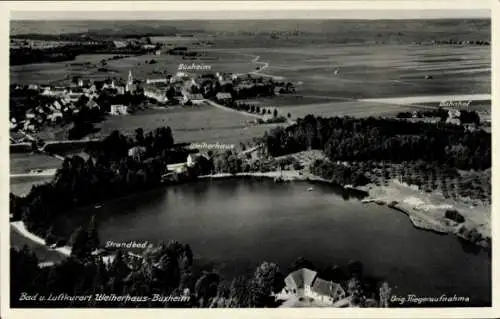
{"points": [[119, 110], [306, 283], [157, 93]]}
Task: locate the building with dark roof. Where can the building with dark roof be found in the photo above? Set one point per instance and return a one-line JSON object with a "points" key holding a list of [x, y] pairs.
{"points": [[306, 283]]}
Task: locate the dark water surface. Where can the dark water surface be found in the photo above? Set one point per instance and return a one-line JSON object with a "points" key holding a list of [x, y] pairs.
{"points": [[236, 224]]}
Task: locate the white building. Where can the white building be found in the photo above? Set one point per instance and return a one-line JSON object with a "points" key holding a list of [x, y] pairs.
{"points": [[156, 81], [159, 94], [306, 283], [54, 117], [119, 110], [137, 152], [223, 97]]}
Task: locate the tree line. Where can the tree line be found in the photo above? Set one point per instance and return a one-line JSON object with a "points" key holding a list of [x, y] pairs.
{"points": [[381, 139], [165, 269]]}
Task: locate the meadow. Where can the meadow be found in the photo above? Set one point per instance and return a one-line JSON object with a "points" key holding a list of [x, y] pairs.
{"points": [[356, 71], [25, 162], [189, 124]]}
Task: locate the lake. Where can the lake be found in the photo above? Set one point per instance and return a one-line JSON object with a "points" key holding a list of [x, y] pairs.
{"points": [[237, 224]]}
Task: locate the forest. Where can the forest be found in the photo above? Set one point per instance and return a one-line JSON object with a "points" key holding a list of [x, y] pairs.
{"points": [[384, 139]]}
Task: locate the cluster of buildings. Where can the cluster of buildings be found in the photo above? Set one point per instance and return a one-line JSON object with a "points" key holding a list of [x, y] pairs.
{"points": [[61, 101]]}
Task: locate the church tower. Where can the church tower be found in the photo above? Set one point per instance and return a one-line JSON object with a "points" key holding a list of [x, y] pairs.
{"points": [[130, 82]]}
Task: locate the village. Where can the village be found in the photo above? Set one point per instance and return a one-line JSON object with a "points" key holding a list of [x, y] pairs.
{"points": [[52, 105]]}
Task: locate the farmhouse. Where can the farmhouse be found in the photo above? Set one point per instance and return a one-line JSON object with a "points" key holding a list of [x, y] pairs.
{"points": [[193, 98], [306, 283], [57, 91], [158, 94], [155, 81], [119, 110], [55, 117], [453, 117], [120, 44], [223, 97]]}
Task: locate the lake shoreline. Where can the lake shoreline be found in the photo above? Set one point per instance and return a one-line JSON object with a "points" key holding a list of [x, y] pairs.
{"points": [[367, 194], [422, 218]]}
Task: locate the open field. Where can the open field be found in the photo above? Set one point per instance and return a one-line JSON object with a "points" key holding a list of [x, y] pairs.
{"points": [[21, 186], [189, 124], [379, 70], [352, 108], [25, 162]]}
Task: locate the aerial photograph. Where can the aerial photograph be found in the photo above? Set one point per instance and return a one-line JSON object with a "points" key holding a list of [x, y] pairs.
{"points": [[185, 163]]}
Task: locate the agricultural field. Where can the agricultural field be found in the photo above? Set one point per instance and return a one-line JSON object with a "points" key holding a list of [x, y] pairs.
{"points": [[25, 162], [21, 186], [189, 124], [349, 108], [380, 70]]}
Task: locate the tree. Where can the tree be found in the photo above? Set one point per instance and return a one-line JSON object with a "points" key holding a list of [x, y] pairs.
{"points": [[93, 236], [384, 294], [275, 113], [301, 262], [266, 280], [289, 115], [79, 243], [206, 288]]}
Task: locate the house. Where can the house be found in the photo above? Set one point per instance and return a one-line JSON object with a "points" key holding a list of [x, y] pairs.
{"points": [[305, 282], [55, 117], [192, 159], [56, 91], [84, 83], [279, 90], [149, 46], [178, 168], [120, 44], [120, 89], [109, 84], [453, 117], [119, 110], [57, 105], [193, 98], [155, 81], [33, 87], [92, 104], [224, 97], [158, 94], [30, 115], [137, 152], [73, 97]]}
